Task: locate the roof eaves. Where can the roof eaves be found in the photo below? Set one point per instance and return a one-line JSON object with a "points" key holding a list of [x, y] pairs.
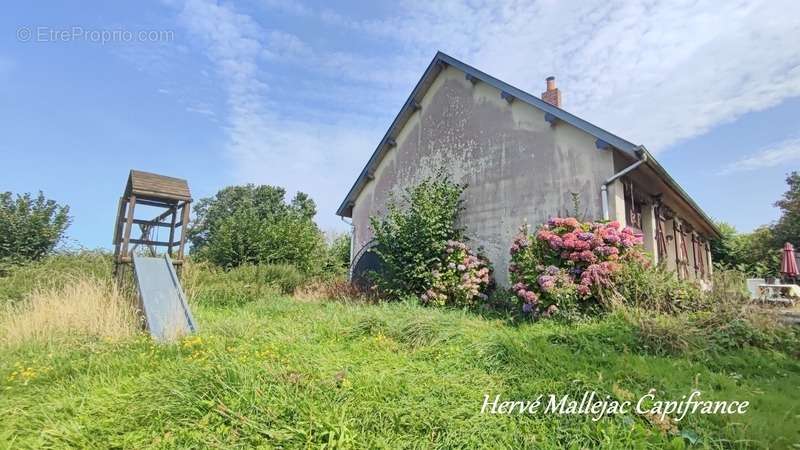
{"points": [[610, 138]]}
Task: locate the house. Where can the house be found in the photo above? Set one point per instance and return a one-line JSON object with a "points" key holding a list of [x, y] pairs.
{"points": [[523, 159]]}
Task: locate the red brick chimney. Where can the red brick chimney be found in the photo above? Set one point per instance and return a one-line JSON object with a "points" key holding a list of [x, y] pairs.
{"points": [[552, 95]]}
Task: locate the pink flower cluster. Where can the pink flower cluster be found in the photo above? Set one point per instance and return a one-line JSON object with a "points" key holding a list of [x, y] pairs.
{"points": [[596, 275], [587, 241], [526, 295], [520, 242], [567, 259], [461, 278]]}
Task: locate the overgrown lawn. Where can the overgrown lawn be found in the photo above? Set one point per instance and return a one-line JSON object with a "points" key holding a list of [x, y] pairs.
{"points": [[288, 374]]}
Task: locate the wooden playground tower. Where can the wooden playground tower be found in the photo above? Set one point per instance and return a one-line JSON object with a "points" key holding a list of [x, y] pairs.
{"points": [[172, 195]]}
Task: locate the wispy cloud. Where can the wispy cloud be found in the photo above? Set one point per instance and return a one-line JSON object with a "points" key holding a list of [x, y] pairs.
{"points": [[775, 155], [656, 73], [266, 144], [288, 6], [201, 109]]}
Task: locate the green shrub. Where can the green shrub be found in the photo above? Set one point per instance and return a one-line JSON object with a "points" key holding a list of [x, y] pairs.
{"points": [[656, 289], [250, 224], [460, 279], [30, 228], [422, 249], [284, 277], [755, 253], [336, 257], [728, 286], [210, 285], [412, 236]]}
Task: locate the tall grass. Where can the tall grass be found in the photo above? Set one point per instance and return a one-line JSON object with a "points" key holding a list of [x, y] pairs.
{"points": [[287, 374], [53, 272], [267, 370], [335, 289], [206, 284], [85, 306]]}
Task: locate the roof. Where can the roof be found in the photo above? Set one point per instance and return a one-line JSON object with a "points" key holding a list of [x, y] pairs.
{"points": [[157, 187], [439, 62]]}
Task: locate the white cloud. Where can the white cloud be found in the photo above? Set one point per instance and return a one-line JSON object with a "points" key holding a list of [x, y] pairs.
{"points": [[201, 109], [285, 45], [655, 73], [320, 157], [775, 155], [287, 6]]}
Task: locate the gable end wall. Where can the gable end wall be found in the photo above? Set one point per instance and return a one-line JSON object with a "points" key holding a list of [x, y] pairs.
{"points": [[517, 167]]}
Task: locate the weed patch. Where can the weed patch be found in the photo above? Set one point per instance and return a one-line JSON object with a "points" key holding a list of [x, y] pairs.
{"points": [[83, 307]]}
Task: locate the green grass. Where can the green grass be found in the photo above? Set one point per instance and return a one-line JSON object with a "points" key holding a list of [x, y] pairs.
{"points": [[52, 272], [281, 373]]}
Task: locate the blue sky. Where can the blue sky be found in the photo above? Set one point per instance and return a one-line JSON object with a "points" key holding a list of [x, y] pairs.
{"points": [[298, 94]]}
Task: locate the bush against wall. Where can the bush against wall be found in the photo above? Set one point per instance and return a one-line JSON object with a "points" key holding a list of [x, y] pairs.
{"points": [[422, 247], [567, 261], [255, 225], [30, 227], [460, 278]]}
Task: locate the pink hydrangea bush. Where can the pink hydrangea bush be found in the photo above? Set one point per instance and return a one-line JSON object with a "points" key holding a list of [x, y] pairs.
{"points": [[462, 278], [567, 261]]}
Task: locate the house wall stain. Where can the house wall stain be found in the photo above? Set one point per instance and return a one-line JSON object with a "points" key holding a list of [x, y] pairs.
{"points": [[517, 167]]}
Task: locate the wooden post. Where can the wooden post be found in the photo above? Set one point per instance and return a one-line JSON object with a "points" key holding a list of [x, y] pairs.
{"points": [[128, 225], [710, 261], [649, 231], [678, 266], [172, 230], [121, 205], [120, 214], [184, 226], [694, 253]]}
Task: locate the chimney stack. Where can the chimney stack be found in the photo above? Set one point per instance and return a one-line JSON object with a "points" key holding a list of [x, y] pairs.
{"points": [[552, 95]]}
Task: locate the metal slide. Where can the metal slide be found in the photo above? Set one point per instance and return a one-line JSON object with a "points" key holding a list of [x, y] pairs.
{"points": [[161, 298]]}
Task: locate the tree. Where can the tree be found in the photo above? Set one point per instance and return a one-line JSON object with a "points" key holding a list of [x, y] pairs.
{"points": [[724, 249], [254, 224], [752, 253], [30, 227], [787, 229]]}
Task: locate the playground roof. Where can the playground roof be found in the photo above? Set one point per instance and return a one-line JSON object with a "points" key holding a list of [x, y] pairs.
{"points": [[157, 187]]}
